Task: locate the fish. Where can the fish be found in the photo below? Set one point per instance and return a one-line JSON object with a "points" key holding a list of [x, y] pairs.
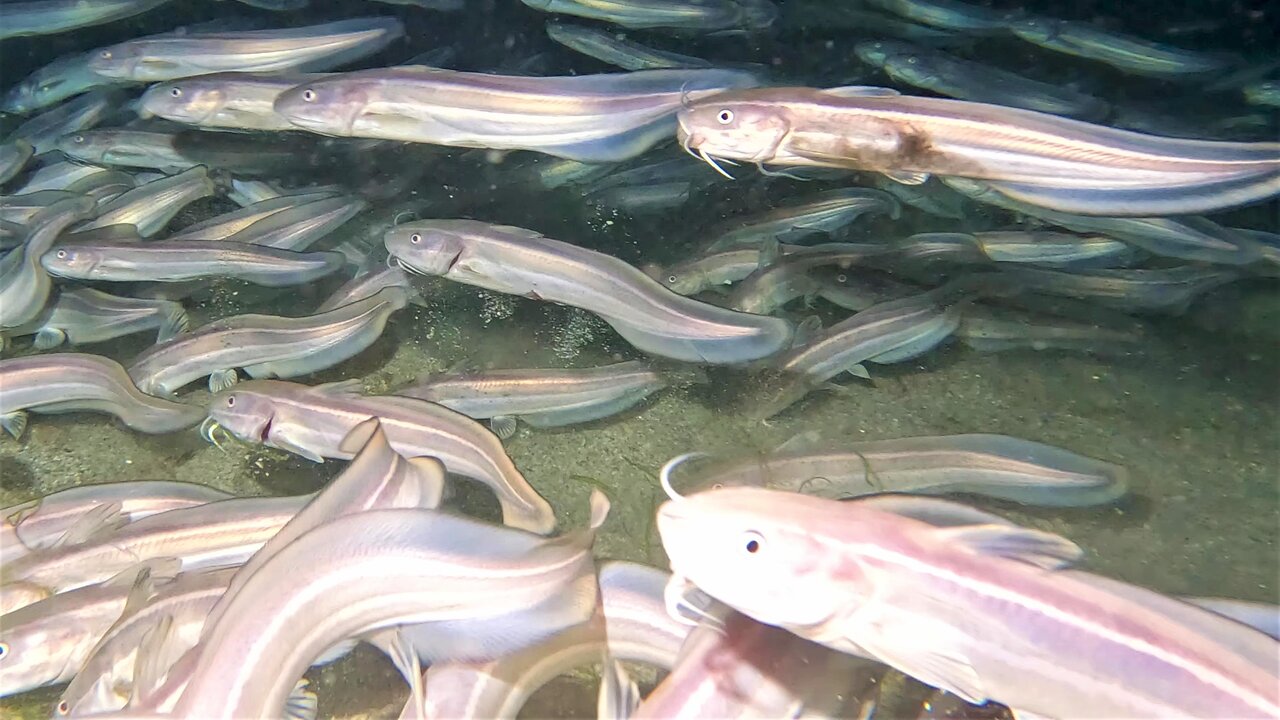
{"points": [[24, 284], [50, 17], [46, 521], [995, 466], [1127, 53], [173, 261], [14, 155], [312, 421], [73, 178], [523, 262], [232, 100], [82, 316], [854, 290], [300, 226], [967, 602], [44, 131], [63, 78], [150, 206], [78, 382], [1160, 290], [218, 534], [171, 152], [614, 50], [1053, 162], [226, 225], [264, 346], [21, 209], [590, 118], [966, 80], [1263, 93], [930, 197], [825, 213], [711, 271], [948, 15], [368, 283], [312, 48], [445, 567], [784, 276], [541, 398], [631, 621], [990, 330], [702, 16], [1053, 249]]}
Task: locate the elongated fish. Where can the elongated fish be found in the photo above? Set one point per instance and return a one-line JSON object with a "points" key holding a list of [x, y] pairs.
{"points": [[24, 283], [541, 398], [234, 100], [226, 225], [1053, 249], [49, 17], [713, 270], [368, 283], [76, 382], [150, 207], [996, 466], [990, 330], [1127, 53], [81, 113], [522, 262], [592, 118], [125, 261], [312, 421], [72, 177], [1168, 290], [947, 14], [63, 78], [704, 16], [970, 604], [313, 48], [1040, 159], [80, 316], [265, 346], [609, 48], [298, 227], [824, 213], [14, 155]]}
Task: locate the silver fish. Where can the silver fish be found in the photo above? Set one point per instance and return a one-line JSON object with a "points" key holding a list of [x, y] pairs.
{"points": [[80, 316], [75, 382], [713, 270], [150, 207], [703, 16], [264, 345], [522, 262], [1046, 248], [71, 177], [824, 213], [14, 155], [45, 521], [931, 197], [226, 225], [854, 290], [988, 330], [1163, 290], [913, 583], [996, 466], [433, 565], [21, 209], [298, 227], [24, 284], [44, 130], [784, 276], [947, 14], [612, 49], [61, 79], [236, 100], [312, 48], [312, 421], [592, 118], [541, 398], [131, 148], [170, 152], [49, 17], [368, 283], [125, 261], [1057, 163], [1127, 53]]}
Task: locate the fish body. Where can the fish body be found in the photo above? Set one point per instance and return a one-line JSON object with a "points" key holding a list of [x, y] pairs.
{"points": [[265, 346], [50, 17], [981, 610], [1169, 290], [1133, 55], [777, 283], [591, 118], [24, 283], [125, 261], [822, 213], [81, 316], [609, 48], [947, 14], [1045, 160], [312, 421], [301, 49], [299, 227], [61, 79], [150, 207], [14, 155], [700, 15], [71, 177], [522, 262], [987, 330], [369, 283], [232, 101], [710, 271], [44, 131], [226, 225]]}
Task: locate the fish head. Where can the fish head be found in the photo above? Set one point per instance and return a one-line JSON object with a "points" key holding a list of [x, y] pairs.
{"points": [[733, 130], [71, 261], [874, 52], [424, 248], [744, 547], [21, 98], [182, 101], [1035, 29], [85, 147], [910, 69], [330, 108], [35, 648], [117, 61], [243, 412]]}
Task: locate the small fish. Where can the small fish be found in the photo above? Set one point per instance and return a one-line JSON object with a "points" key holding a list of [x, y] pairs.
{"points": [[542, 398], [72, 177], [226, 225], [298, 227], [703, 16], [50, 17], [988, 330], [150, 206], [81, 316], [314, 48], [61, 79], [125, 261], [1052, 249], [824, 213], [264, 346], [948, 15], [234, 101], [522, 262], [312, 421], [14, 155], [1126, 53], [616, 50], [75, 382], [170, 152], [856, 290], [1054, 162], [1162, 290], [712, 271], [75, 115], [784, 276], [21, 209], [967, 602], [24, 283], [369, 283]]}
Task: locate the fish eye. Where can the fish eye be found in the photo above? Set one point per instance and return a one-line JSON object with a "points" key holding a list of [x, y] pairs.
{"points": [[309, 95], [78, 139], [752, 542], [725, 117], [671, 279], [105, 54], [231, 401], [176, 92], [842, 278], [415, 238], [62, 254], [63, 707], [4, 650]]}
